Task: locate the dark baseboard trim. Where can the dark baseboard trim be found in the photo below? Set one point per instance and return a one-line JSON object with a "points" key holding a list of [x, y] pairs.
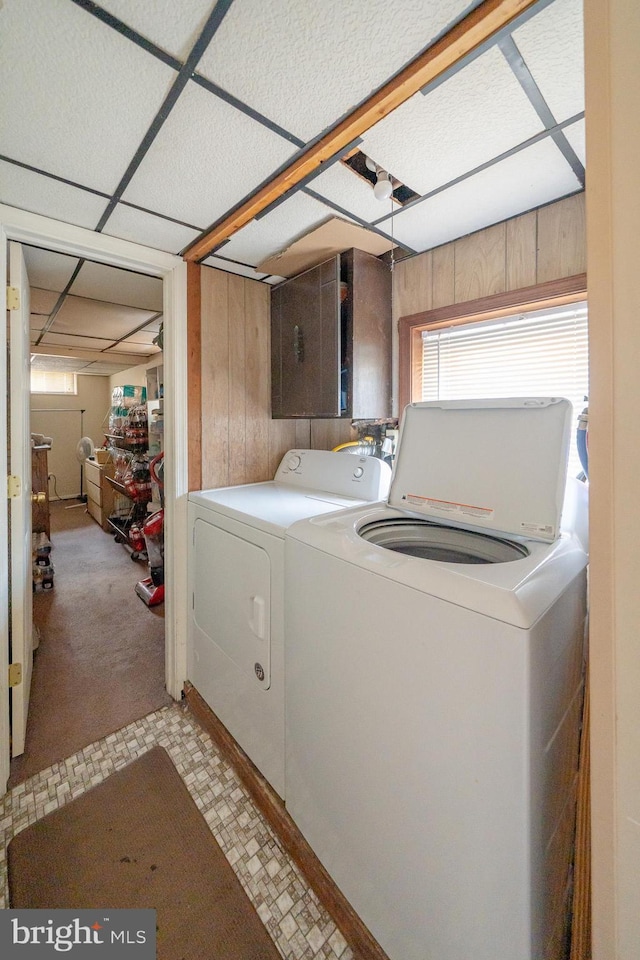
{"points": [[358, 937]]}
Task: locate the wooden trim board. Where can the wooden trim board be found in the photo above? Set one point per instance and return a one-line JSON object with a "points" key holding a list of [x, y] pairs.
{"points": [[473, 30]]}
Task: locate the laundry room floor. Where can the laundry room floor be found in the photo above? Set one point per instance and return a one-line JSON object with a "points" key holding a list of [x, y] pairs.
{"points": [[297, 923]]}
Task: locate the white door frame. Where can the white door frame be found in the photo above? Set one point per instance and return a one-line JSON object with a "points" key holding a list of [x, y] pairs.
{"points": [[61, 237]]}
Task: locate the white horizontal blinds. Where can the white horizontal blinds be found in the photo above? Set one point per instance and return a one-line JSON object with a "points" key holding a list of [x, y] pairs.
{"points": [[543, 353], [53, 381]]}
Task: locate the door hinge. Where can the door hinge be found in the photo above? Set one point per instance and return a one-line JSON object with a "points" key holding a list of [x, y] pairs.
{"points": [[14, 487], [15, 674], [13, 298]]}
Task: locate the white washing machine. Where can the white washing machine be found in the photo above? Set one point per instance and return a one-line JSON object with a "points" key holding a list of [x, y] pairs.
{"points": [[433, 661], [236, 573]]}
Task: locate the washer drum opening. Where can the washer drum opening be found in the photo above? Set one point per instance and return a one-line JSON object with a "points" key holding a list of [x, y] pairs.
{"points": [[433, 541]]}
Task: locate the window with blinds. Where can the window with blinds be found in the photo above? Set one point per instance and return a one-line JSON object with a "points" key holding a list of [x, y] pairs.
{"points": [[543, 353], [53, 381]]}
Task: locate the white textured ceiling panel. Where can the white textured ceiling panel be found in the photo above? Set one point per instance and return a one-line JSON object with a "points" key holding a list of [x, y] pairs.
{"points": [[351, 192], [140, 349], [102, 369], [173, 26], [207, 157], [303, 64], [78, 97], [230, 267], [69, 340], [94, 318], [267, 236], [575, 134], [36, 323], [551, 44], [501, 191], [479, 113], [48, 270], [42, 361], [97, 281], [42, 301], [142, 336], [130, 224], [32, 191]]}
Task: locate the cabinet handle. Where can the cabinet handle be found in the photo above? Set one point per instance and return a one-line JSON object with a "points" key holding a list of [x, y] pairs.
{"points": [[298, 344]]}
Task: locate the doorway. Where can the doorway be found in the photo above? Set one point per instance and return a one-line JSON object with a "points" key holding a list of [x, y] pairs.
{"points": [[41, 232], [96, 376]]}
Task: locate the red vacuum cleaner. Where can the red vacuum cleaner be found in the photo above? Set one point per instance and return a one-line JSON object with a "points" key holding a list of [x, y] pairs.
{"points": [[151, 589]]}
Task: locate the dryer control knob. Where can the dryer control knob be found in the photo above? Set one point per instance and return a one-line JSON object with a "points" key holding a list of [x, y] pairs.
{"points": [[293, 462], [358, 472]]}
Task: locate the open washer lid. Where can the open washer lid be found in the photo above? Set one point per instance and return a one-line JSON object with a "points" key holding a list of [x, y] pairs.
{"points": [[491, 465]]}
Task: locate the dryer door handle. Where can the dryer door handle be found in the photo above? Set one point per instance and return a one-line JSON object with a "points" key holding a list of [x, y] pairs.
{"points": [[257, 619]]}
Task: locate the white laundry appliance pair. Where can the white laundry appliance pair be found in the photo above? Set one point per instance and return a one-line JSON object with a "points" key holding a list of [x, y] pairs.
{"points": [[236, 573], [433, 662]]}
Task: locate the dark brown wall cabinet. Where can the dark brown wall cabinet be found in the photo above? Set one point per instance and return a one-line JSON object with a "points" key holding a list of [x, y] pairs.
{"points": [[331, 353]]}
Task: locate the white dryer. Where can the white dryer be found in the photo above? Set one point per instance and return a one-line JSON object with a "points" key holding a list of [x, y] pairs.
{"points": [[433, 661], [236, 575]]}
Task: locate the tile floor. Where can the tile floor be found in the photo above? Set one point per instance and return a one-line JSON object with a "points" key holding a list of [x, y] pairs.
{"points": [[299, 926]]}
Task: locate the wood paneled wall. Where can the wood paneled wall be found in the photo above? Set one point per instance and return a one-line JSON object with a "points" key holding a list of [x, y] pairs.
{"points": [[233, 438], [231, 410], [545, 244]]}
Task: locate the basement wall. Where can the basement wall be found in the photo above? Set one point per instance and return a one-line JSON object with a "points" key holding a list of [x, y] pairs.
{"points": [[233, 439]]}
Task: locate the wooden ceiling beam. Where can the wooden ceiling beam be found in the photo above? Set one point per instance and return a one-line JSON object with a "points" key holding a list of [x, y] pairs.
{"points": [[481, 24]]}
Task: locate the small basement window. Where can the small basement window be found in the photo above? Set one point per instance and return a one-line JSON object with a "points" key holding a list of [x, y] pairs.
{"points": [[520, 352], [53, 381]]}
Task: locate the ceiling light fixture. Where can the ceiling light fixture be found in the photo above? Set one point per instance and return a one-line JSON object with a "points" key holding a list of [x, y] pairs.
{"points": [[383, 188]]}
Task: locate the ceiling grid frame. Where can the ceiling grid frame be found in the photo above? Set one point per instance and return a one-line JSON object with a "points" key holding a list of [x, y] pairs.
{"points": [[521, 12]]}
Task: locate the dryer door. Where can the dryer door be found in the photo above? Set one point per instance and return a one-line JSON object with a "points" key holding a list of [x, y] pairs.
{"points": [[232, 598]]}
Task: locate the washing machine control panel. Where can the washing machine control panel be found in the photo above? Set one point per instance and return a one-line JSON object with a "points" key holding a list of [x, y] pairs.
{"points": [[342, 474]]}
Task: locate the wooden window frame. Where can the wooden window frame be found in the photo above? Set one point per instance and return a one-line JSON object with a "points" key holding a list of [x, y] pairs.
{"points": [[553, 293]]}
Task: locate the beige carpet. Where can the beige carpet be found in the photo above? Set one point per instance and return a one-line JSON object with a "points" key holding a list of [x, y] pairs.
{"points": [[100, 663], [138, 840]]}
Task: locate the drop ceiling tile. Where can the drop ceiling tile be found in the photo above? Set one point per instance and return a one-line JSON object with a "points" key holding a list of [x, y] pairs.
{"points": [[575, 134], [79, 343], [141, 227], [42, 301], [36, 323], [476, 115], [101, 92], [103, 369], [270, 234], [127, 347], [351, 192], [48, 270], [207, 157], [551, 44], [98, 281], [43, 361], [172, 26], [310, 63], [95, 318], [142, 336], [501, 191], [39, 194], [229, 266]]}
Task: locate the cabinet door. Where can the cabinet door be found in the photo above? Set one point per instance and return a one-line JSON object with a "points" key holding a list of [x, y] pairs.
{"points": [[305, 344], [368, 335]]}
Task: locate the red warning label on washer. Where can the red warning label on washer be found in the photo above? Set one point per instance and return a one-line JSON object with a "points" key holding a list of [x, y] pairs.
{"points": [[450, 507]]}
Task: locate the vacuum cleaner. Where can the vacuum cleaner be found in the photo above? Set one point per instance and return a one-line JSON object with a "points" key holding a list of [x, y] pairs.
{"points": [[151, 589]]}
